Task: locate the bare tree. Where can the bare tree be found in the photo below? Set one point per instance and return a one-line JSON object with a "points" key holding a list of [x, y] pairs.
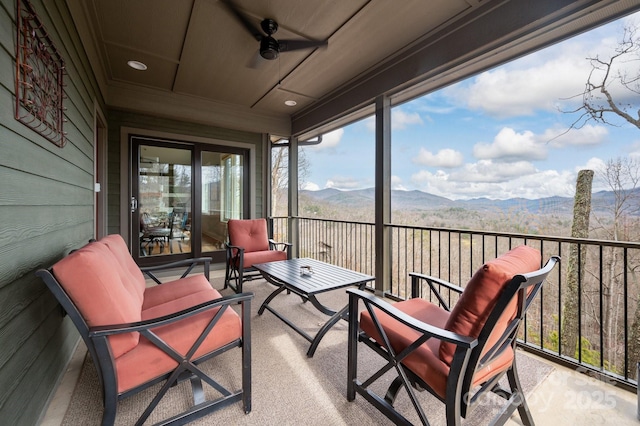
{"points": [[280, 175], [612, 91], [621, 71], [622, 178]]}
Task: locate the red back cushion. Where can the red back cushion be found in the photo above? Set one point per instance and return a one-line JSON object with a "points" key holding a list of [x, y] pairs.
{"points": [[92, 279], [251, 234], [482, 292], [134, 280]]}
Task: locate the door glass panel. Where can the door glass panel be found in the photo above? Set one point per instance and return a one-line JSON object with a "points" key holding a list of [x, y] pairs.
{"points": [[165, 184], [222, 197]]}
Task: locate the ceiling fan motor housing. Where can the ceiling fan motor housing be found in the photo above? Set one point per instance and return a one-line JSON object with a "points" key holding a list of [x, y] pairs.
{"points": [[269, 48]]}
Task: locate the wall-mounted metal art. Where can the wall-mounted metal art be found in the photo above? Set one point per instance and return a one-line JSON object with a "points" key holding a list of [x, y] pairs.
{"points": [[39, 77]]}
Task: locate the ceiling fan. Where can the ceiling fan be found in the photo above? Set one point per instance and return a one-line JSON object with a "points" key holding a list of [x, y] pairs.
{"points": [[270, 48]]}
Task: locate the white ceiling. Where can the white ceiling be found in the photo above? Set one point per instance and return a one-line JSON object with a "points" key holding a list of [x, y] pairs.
{"points": [[202, 61]]}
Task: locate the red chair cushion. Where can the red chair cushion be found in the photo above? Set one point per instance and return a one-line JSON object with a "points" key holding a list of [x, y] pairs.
{"points": [[146, 361], [250, 234], [425, 361], [256, 257], [136, 282], [171, 290], [96, 285], [481, 294]]}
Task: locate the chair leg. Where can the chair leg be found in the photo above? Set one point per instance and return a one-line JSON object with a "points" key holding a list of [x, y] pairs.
{"points": [[110, 406], [239, 281], [516, 389], [393, 390], [227, 275], [352, 348]]}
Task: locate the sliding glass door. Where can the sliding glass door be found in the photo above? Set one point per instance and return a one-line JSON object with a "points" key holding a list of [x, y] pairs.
{"points": [[183, 194], [222, 196]]}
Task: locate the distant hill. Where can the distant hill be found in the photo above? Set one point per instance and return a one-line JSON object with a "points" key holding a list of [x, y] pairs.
{"points": [[420, 201]]}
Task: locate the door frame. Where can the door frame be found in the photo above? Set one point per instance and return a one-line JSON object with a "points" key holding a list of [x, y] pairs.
{"points": [[126, 168], [100, 167]]}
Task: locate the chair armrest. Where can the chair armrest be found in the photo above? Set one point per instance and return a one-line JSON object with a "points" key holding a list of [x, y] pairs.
{"points": [[189, 263], [232, 247], [274, 244], [108, 330], [433, 282], [459, 340]]}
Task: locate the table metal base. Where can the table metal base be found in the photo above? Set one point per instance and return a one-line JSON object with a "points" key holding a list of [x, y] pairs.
{"points": [[335, 315]]}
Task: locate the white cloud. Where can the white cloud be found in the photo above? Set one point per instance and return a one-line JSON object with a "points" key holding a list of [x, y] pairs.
{"points": [[597, 165], [329, 140], [447, 158], [310, 186], [345, 183], [535, 185], [396, 183], [586, 135], [486, 171], [508, 145], [400, 120], [634, 150], [593, 163], [547, 80]]}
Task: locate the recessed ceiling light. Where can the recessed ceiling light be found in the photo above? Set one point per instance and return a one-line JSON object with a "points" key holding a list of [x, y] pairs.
{"points": [[137, 65], [290, 103]]}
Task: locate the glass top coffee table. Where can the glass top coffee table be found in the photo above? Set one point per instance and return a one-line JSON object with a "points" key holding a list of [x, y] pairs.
{"points": [[307, 278]]}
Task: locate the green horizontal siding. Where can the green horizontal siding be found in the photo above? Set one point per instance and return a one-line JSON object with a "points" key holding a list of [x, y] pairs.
{"points": [[46, 210]]}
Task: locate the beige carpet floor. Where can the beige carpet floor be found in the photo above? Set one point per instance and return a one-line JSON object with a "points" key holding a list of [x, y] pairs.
{"points": [[288, 387]]}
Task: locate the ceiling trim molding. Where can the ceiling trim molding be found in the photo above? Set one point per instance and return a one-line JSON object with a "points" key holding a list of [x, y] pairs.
{"points": [[192, 109]]}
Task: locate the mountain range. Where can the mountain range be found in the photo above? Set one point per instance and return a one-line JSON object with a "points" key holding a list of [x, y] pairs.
{"points": [[418, 200]]}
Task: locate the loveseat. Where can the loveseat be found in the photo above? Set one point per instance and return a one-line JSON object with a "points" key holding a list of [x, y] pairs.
{"points": [[140, 335]]}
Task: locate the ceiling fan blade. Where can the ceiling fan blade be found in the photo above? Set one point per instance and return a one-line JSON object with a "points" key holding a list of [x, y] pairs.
{"points": [[289, 45], [249, 26], [255, 61]]}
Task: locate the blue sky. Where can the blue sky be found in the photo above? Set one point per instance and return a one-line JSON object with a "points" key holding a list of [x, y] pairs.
{"points": [[496, 135]]}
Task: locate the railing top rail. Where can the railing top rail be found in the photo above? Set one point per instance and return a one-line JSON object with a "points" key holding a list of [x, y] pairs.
{"points": [[591, 241], [325, 220]]}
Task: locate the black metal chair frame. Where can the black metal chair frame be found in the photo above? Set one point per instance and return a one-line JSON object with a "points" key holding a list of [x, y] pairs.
{"points": [[151, 236], [461, 397], [235, 270], [95, 339], [177, 227]]}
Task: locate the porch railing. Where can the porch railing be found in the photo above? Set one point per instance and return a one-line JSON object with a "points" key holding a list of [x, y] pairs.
{"points": [[594, 305]]}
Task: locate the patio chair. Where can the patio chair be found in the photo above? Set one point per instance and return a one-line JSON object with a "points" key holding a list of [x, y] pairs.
{"points": [[152, 235], [139, 336], [457, 355], [248, 245], [178, 228]]}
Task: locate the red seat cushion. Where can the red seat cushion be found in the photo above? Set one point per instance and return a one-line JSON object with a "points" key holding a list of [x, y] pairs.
{"points": [[425, 361], [250, 234], [170, 290], [425, 358], [146, 361], [482, 292]]}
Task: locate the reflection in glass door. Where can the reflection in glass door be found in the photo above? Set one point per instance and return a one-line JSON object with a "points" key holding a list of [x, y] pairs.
{"points": [[183, 195], [164, 200], [222, 196]]}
